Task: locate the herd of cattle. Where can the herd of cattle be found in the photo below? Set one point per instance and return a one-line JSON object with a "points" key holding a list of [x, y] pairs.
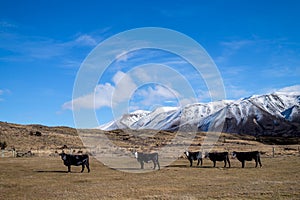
{"points": [[142, 158], [224, 156]]}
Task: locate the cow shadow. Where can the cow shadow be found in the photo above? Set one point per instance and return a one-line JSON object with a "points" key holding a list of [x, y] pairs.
{"points": [[54, 171], [127, 169], [199, 167], [179, 166]]}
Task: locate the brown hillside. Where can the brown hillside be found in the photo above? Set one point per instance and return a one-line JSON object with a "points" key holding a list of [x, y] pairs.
{"points": [[42, 139]]}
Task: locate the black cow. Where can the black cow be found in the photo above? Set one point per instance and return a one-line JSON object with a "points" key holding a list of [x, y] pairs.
{"points": [[194, 156], [218, 156], [76, 160], [146, 158], [247, 156]]}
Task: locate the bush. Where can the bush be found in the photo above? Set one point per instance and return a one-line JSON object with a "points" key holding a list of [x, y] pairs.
{"points": [[3, 145], [37, 133]]}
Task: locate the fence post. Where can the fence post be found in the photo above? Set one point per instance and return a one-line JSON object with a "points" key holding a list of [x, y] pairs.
{"points": [[273, 152]]}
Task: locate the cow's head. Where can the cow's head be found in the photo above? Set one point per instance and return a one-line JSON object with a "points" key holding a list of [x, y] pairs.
{"points": [[63, 155], [136, 155], [234, 154], [186, 153], [206, 155]]}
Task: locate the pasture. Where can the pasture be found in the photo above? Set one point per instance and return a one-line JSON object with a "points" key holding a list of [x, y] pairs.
{"points": [[42, 174], [46, 178]]}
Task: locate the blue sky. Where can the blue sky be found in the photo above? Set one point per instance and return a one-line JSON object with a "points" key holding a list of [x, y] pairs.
{"points": [[254, 44]]}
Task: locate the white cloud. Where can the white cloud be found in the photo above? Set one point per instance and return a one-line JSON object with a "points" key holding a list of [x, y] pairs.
{"points": [[158, 94], [122, 57], [187, 101], [124, 88], [295, 89], [143, 75], [118, 77], [100, 98], [86, 40], [158, 91], [105, 95]]}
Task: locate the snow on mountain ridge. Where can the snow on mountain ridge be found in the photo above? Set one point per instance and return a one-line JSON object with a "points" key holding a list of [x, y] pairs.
{"points": [[261, 113]]}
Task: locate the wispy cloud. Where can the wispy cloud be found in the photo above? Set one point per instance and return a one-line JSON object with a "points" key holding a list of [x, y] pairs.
{"points": [[86, 39], [153, 96], [123, 57], [156, 95], [237, 44], [235, 92], [282, 71], [6, 24], [229, 48], [1, 92], [23, 47], [4, 92]]}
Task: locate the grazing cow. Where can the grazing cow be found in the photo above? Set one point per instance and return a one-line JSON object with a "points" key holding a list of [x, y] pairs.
{"points": [[194, 156], [218, 156], [146, 158], [247, 156], [76, 160]]}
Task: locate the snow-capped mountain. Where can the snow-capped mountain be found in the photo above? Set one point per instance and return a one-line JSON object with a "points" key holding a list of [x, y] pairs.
{"points": [[272, 114]]}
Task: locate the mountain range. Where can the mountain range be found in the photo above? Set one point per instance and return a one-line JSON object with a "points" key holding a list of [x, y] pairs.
{"points": [[275, 114]]}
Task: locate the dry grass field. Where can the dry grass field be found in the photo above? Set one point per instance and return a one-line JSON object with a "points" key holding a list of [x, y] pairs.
{"points": [[46, 178], [43, 175]]}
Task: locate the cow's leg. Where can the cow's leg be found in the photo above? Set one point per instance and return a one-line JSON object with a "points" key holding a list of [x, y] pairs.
{"points": [[154, 164], [88, 167], [142, 164], [259, 161], [225, 162], [201, 161], [158, 165], [214, 163], [69, 168], [228, 162], [243, 164], [191, 162], [82, 168], [198, 162]]}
